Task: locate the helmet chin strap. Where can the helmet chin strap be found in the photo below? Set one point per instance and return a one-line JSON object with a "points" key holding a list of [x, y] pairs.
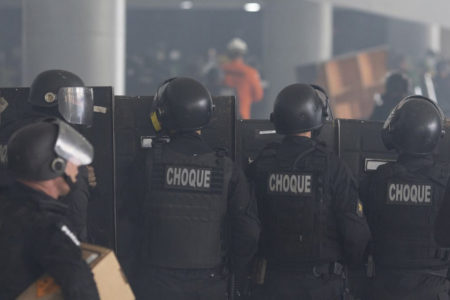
{"points": [[155, 122], [69, 181]]}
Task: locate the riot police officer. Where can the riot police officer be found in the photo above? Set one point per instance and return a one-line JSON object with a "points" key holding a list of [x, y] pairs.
{"points": [[197, 217], [401, 203], [312, 220], [61, 94], [35, 237]]}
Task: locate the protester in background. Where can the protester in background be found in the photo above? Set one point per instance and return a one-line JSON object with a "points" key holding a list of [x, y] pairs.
{"points": [[442, 86], [243, 79], [397, 87]]}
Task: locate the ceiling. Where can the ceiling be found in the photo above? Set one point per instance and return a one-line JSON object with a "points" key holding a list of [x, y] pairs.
{"points": [[427, 11]]}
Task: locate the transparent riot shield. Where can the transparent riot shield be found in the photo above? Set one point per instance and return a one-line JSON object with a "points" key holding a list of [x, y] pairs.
{"points": [[102, 203]]}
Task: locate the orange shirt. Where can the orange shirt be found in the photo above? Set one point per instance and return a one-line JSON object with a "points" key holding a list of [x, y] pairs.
{"points": [[245, 80]]}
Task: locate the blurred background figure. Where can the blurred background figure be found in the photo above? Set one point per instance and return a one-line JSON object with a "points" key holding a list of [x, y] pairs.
{"points": [[442, 86], [243, 80], [212, 72], [397, 87]]}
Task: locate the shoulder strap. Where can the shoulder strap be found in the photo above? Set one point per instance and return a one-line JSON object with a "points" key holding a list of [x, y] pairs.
{"points": [[438, 174], [389, 169], [301, 156], [316, 146], [270, 150], [221, 152]]}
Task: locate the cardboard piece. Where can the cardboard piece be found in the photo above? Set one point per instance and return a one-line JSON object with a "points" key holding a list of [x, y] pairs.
{"points": [[111, 282]]}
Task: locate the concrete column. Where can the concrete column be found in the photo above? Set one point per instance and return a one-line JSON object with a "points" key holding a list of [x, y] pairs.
{"points": [[412, 38], [445, 43], [295, 32], [86, 37]]}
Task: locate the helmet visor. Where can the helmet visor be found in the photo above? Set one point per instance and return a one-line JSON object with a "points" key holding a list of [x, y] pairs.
{"points": [[72, 146], [76, 105]]}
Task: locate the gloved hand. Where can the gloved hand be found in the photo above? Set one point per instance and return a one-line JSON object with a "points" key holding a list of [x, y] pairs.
{"points": [[92, 180]]}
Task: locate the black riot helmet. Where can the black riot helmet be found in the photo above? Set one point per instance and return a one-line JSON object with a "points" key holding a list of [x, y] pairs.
{"points": [[62, 93], [181, 105], [300, 108], [414, 126], [40, 151]]}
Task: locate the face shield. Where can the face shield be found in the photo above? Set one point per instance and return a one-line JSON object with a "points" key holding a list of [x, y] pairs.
{"points": [[76, 105], [72, 146]]}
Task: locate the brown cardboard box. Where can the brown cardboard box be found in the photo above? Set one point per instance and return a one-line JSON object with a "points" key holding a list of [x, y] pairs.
{"points": [[111, 281]]}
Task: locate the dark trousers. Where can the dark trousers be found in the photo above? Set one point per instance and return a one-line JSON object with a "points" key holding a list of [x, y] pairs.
{"points": [[168, 284], [408, 285], [358, 282], [287, 285]]}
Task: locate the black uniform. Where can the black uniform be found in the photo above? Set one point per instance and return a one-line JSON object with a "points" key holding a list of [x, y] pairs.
{"points": [[312, 220], [197, 220], [402, 202], [78, 198], [442, 234], [34, 240]]}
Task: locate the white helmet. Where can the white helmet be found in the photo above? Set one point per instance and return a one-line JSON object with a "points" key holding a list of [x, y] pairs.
{"points": [[237, 45]]}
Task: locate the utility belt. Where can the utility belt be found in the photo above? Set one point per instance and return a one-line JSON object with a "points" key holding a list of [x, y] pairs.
{"points": [[219, 271], [318, 270], [429, 271], [439, 272], [334, 268], [442, 254], [436, 260]]}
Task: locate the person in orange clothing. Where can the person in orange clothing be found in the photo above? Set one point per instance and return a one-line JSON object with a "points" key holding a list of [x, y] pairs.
{"points": [[242, 78]]}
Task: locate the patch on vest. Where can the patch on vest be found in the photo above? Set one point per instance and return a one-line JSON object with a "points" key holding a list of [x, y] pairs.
{"points": [[409, 193], [188, 178], [289, 184], [359, 209]]}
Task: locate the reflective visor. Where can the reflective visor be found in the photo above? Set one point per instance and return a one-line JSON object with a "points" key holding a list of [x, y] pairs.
{"points": [[72, 146], [76, 105]]}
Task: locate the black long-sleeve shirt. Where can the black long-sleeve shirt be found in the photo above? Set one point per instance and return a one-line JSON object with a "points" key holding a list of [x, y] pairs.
{"points": [[34, 240], [442, 223]]}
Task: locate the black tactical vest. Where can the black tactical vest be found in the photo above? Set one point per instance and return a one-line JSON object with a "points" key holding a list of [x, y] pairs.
{"points": [[185, 208], [407, 203], [299, 227]]}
